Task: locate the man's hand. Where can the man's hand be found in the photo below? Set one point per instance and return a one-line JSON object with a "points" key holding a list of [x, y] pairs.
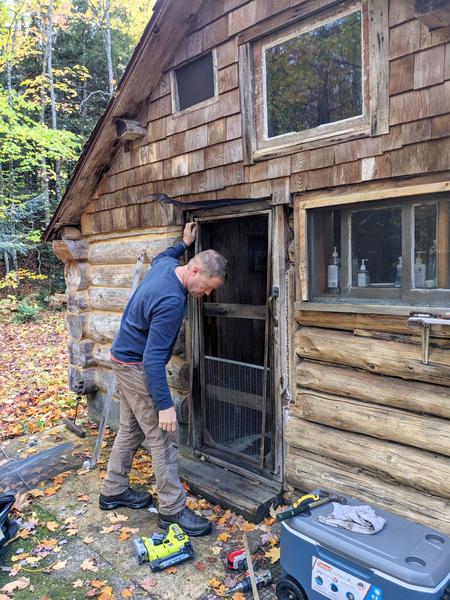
{"points": [[168, 419], [190, 230]]}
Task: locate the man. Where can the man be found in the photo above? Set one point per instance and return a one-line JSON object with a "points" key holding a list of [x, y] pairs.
{"points": [[139, 355]]}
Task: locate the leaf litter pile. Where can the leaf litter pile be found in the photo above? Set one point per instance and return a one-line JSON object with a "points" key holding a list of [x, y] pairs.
{"points": [[34, 396]]}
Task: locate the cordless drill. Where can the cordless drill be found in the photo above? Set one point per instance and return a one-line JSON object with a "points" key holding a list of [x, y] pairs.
{"points": [[262, 578], [162, 552]]}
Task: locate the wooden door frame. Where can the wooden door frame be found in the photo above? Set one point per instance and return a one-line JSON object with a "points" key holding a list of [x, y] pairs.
{"points": [[277, 224]]}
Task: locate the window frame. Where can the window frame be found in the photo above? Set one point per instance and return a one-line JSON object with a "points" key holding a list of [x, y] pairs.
{"points": [[176, 111], [375, 118], [406, 293]]}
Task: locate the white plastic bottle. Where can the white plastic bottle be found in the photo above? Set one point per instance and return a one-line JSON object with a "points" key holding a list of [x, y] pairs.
{"points": [[420, 271], [363, 279], [333, 272]]}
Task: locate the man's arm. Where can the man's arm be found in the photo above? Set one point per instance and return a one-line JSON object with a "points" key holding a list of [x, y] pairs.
{"points": [[189, 232]]}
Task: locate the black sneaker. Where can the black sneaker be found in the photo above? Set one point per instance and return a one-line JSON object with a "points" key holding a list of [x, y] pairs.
{"points": [[129, 498], [188, 520]]}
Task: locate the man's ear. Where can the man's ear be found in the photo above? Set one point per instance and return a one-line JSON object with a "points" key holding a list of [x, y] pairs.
{"points": [[195, 269]]}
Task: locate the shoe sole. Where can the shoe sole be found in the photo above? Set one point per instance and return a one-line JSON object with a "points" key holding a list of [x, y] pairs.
{"points": [[165, 525], [117, 504]]}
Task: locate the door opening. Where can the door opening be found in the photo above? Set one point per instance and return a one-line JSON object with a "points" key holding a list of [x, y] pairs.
{"points": [[233, 398]]}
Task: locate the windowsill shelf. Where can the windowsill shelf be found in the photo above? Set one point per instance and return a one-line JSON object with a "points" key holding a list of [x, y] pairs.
{"points": [[363, 307]]}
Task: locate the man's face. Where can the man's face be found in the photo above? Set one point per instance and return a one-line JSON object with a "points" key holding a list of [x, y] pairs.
{"points": [[199, 284]]}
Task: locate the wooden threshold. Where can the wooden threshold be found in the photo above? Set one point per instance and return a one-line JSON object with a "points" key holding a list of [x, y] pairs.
{"points": [[249, 497]]}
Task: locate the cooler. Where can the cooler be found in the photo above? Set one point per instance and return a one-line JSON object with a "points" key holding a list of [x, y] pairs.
{"points": [[404, 561]]}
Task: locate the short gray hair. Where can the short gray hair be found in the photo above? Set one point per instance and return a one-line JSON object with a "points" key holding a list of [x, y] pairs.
{"points": [[212, 263]]}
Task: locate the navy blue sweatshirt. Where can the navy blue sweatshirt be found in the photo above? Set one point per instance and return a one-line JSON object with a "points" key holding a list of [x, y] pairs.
{"points": [[151, 321]]}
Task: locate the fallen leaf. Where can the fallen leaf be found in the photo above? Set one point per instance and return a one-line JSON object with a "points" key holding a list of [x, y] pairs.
{"points": [[22, 502], [127, 593], [106, 593], [83, 498], [32, 560], [72, 532], [89, 565], [77, 584], [246, 526], [18, 584], [216, 550], [98, 583], [52, 525], [273, 554], [116, 518], [214, 582], [223, 537], [200, 566], [148, 583], [88, 540], [59, 565], [238, 596], [108, 529]]}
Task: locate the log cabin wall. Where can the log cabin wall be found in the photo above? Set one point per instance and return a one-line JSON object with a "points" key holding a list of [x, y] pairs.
{"points": [[366, 418]]}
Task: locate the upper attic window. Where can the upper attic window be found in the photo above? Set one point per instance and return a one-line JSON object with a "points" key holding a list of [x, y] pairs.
{"points": [[194, 82], [320, 79], [314, 77]]}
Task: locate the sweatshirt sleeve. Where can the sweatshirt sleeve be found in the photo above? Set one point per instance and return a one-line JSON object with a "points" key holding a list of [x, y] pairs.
{"points": [[165, 324], [171, 252]]}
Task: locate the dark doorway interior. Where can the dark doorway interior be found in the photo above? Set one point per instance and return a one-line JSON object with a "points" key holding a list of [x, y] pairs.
{"points": [[236, 416]]}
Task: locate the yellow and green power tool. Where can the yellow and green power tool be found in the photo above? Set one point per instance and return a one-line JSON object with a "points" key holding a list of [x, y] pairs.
{"points": [[163, 551]]}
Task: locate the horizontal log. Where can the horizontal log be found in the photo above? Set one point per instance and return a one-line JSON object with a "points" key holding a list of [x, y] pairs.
{"points": [[103, 326], [351, 321], [121, 252], [76, 275], [81, 353], [77, 325], [390, 391], [420, 431], [71, 250], [114, 299], [410, 466], [181, 403], [375, 356], [101, 353], [105, 378], [77, 302], [114, 276], [307, 471], [178, 373], [82, 381]]}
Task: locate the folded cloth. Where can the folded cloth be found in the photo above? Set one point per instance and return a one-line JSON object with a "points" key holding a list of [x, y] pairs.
{"points": [[361, 519]]}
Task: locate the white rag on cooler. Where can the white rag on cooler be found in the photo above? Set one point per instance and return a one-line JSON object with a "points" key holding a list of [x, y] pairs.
{"points": [[361, 519]]}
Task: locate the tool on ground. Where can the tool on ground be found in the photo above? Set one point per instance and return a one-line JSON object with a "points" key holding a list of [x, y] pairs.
{"points": [[237, 560], [90, 463], [251, 572], [72, 424], [262, 579], [309, 502], [164, 551]]}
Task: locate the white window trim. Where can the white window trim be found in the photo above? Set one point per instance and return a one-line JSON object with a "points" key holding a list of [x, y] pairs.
{"points": [[174, 87]]}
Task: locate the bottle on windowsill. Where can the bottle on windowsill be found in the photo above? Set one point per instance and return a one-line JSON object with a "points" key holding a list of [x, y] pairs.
{"points": [[398, 274], [333, 273], [363, 275]]}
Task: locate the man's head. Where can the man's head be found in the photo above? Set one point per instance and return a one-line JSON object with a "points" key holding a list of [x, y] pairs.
{"points": [[206, 272]]}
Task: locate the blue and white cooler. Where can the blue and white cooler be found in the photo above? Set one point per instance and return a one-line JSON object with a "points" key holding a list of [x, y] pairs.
{"points": [[403, 561]]}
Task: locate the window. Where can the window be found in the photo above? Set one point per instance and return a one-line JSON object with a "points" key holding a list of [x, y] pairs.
{"points": [[194, 82], [381, 251], [314, 78], [321, 78]]}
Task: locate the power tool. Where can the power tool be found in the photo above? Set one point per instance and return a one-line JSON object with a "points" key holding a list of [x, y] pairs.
{"points": [[162, 552], [262, 578], [237, 560]]}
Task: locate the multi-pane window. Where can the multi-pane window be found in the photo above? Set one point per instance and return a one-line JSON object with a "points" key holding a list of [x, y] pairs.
{"points": [[194, 82], [381, 251], [315, 77]]}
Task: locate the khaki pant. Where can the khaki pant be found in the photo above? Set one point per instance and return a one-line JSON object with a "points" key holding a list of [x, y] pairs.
{"points": [[139, 422]]}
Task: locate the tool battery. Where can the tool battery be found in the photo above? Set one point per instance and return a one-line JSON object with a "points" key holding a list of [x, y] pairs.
{"points": [[162, 551], [403, 561]]}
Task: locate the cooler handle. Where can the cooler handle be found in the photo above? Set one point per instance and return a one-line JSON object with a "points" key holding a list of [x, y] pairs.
{"points": [[365, 574]]}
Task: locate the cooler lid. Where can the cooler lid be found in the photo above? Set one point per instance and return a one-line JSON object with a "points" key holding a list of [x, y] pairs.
{"points": [[404, 550]]}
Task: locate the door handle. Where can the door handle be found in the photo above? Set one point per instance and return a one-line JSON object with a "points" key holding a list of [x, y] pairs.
{"points": [[270, 303]]}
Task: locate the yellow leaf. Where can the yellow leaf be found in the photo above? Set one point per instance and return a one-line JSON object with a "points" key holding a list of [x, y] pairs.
{"points": [[32, 560], [126, 593], [21, 556], [98, 583], [88, 540], [52, 525], [238, 596], [124, 535], [89, 565], [116, 518], [273, 554], [18, 584], [246, 526], [223, 537], [77, 584], [106, 593], [59, 565], [72, 532], [214, 582], [171, 570]]}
